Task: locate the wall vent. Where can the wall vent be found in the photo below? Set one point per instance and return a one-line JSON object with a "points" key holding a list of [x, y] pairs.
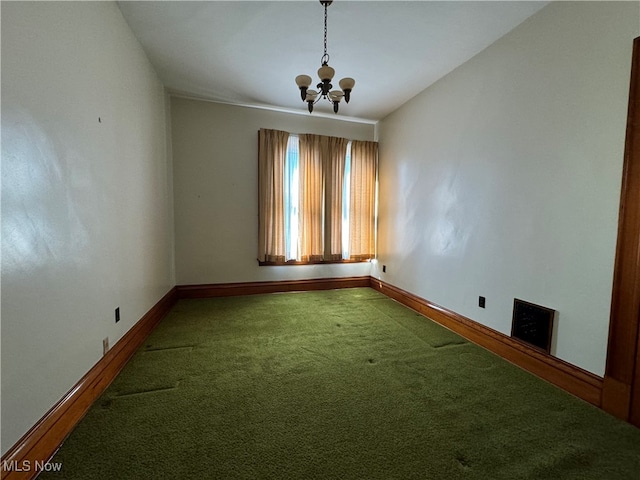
{"points": [[532, 324]]}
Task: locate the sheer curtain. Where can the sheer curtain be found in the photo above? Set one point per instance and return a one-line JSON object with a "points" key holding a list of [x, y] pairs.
{"points": [[272, 153], [364, 160]]}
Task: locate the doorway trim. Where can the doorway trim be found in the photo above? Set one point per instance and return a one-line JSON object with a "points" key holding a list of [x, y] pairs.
{"points": [[621, 387]]}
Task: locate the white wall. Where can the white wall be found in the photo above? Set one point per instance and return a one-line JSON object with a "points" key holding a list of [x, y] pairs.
{"points": [[86, 203], [503, 178], [215, 157]]}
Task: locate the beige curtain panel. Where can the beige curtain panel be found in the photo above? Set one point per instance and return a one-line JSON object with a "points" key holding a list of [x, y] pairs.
{"points": [[334, 180], [272, 153], [313, 150], [322, 161], [362, 214]]}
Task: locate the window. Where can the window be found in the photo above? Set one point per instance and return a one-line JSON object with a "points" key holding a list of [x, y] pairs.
{"points": [[291, 199], [317, 198]]}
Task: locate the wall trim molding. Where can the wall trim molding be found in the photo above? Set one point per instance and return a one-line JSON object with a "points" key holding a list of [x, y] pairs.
{"points": [[253, 288], [41, 442], [190, 96], [570, 378]]}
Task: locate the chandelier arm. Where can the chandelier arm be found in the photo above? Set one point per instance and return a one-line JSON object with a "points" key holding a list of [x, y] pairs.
{"points": [[320, 97]]}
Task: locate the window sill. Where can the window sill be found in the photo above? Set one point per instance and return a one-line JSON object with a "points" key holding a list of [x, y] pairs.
{"points": [[318, 262]]}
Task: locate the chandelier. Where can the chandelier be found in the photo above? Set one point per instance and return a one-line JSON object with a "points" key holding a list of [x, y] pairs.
{"points": [[326, 73]]}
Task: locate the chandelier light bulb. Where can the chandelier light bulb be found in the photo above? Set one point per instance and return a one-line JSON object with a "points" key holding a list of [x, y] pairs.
{"points": [[303, 80], [326, 73], [335, 95], [347, 83]]}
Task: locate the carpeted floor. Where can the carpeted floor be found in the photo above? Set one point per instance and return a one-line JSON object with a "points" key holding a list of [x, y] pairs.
{"points": [[341, 384]]}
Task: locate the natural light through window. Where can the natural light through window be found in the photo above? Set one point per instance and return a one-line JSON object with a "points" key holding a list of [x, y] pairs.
{"points": [[346, 193], [291, 198]]}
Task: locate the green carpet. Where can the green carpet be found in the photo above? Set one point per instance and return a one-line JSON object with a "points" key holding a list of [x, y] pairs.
{"points": [[341, 384]]}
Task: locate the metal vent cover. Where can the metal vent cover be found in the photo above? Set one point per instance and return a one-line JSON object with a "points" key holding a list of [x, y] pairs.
{"points": [[532, 324]]}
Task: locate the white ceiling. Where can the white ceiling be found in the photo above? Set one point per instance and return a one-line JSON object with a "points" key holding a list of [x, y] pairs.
{"points": [[249, 52]]}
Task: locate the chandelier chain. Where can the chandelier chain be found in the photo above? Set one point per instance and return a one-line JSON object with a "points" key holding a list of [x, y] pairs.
{"points": [[325, 57]]}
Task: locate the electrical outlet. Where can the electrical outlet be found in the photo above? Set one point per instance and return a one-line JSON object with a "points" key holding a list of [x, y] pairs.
{"points": [[117, 314], [481, 302], [384, 269], [105, 346]]}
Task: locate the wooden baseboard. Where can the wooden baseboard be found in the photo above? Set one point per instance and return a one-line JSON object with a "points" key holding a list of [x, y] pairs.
{"points": [[573, 379], [253, 288], [39, 444]]}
